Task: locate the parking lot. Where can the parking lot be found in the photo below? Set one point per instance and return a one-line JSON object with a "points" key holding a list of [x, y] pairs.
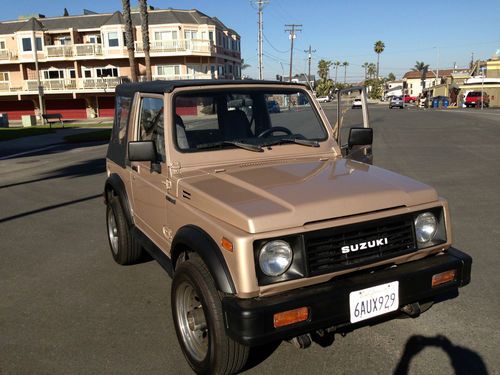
{"points": [[66, 307]]}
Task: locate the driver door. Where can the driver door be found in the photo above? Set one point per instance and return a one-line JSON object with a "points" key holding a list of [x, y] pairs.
{"points": [[148, 179]]}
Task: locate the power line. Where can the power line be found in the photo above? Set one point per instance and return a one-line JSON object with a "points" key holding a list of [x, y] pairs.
{"points": [[273, 47], [292, 29]]}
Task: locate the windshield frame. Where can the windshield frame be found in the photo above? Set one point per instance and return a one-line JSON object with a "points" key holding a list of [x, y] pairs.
{"points": [[228, 155]]}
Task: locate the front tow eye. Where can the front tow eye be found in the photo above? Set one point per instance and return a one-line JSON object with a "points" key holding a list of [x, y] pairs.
{"points": [[412, 309]]}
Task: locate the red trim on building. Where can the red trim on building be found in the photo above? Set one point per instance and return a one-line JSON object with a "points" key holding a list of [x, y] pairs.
{"points": [[68, 108], [17, 108], [106, 105]]}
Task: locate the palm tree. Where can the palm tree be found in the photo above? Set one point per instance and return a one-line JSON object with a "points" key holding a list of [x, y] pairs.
{"points": [[345, 64], [324, 69], [421, 67], [337, 64], [372, 70], [365, 65], [129, 37], [378, 48], [143, 7]]}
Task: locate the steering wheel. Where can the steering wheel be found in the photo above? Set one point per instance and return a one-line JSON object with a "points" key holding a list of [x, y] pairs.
{"points": [[274, 129]]}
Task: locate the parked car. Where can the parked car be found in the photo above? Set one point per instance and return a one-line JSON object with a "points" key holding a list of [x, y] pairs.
{"points": [[473, 99], [357, 103], [396, 101], [410, 99], [323, 99], [270, 226], [273, 106]]}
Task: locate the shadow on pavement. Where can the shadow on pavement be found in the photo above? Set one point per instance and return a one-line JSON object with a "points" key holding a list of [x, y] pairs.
{"points": [[85, 168], [259, 354], [463, 360], [48, 208]]}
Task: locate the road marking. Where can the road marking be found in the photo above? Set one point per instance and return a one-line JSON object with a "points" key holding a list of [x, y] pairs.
{"points": [[27, 152]]}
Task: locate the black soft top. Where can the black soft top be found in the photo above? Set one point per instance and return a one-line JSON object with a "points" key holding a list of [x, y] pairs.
{"points": [[160, 87]]}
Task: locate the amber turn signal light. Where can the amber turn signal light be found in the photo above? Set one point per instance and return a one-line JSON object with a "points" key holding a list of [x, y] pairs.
{"points": [[286, 318], [226, 244], [443, 277]]}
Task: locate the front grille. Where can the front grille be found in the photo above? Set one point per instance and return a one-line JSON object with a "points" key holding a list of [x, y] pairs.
{"points": [[324, 247]]}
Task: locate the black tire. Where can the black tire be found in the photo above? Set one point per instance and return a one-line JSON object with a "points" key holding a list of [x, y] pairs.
{"points": [[124, 247], [216, 353]]}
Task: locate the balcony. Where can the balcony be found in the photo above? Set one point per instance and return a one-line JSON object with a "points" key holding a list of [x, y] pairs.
{"points": [[100, 83], [76, 50], [176, 46], [6, 54], [50, 85], [183, 76]]}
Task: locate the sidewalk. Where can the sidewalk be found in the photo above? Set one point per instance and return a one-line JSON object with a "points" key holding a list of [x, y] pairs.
{"points": [[27, 144]]}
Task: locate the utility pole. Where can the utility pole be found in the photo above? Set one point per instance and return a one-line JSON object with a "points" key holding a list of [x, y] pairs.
{"points": [[41, 106], [292, 29], [309, 55], [260, 6]]}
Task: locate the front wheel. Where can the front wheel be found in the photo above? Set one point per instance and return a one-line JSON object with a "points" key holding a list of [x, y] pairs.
{"points": [[199, 322]]}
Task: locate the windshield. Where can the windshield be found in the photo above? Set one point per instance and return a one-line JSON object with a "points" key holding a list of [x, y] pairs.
{"points": [[212, 120]]}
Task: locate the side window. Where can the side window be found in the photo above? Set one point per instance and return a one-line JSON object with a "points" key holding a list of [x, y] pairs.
{"points": [[151, 124], [122, 110]]}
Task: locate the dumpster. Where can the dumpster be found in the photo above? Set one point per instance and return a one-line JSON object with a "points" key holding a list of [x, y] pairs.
{"points": [[435, 102], [446, 103], [4, 120]]}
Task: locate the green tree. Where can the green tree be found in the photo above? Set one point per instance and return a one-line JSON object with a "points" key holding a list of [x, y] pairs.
{"points": [[372, 70], [391, 77], [376, 88], [378, 48], [143, 8], [365, 66], [345, 64], [129, 39], [324, 69]]}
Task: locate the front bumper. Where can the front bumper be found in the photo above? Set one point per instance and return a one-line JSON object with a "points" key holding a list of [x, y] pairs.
{"points": [[250, 321]]}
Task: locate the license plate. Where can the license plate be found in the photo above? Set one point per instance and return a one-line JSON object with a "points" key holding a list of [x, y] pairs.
{"points": [[377, 300]]}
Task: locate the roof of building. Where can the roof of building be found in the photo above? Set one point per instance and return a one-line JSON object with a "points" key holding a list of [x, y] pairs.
{"points": [[160, 87], [92, 21], [431, 74]]}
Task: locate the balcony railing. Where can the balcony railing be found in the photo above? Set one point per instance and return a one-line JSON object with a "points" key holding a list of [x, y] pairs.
{"points": [[182, 45], [6, 54], [71, 84], [175, 77], [101, 83], [4, 86], [76, 50]]}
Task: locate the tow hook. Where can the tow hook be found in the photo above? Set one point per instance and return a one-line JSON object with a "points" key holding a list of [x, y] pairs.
{"points": [[302, 341], [412, 309]]}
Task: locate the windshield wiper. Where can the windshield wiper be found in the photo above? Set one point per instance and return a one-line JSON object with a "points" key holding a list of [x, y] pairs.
{"points": [[298, 141], [245, 146]]}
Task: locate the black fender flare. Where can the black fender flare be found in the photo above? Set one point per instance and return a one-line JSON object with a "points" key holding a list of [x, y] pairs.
{"points": [[193, 238], [115, 183]]}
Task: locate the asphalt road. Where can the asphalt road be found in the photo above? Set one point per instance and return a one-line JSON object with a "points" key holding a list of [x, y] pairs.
{"points": [[66, 307]]}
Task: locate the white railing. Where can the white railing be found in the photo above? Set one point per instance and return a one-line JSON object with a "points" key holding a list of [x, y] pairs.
{"points": [[59, 51], [51, 84], [77, 50], [175, 77], [6, 54], [4, 86], [100, 83], [182, 45], [88, 49]]}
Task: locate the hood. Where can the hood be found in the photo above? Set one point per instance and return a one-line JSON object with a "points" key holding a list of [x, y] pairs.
{"points": [[261, 198]]}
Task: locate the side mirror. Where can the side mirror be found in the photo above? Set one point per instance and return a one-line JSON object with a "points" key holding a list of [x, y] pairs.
{"points": [[142, 151], [360, 137]]}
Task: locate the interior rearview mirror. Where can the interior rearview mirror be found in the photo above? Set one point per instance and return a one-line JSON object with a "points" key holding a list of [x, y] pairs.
{"points": [[360, 137], [142, 151]]}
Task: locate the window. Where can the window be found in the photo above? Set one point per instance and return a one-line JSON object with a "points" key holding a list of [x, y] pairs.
{"points": [[211, 36], [151, 124], [107, 72], [121, 119], [27, 44], [190, 34], [65, 40], [94, 39], [4, 76], [53, 74], [166, 35], [72, 74], [2, 44], [87, 73], [168, 70], [113, 39]]}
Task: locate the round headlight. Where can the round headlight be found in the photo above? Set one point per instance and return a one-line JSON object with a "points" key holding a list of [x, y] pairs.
{"points": [[275, 257], [425, 227]]}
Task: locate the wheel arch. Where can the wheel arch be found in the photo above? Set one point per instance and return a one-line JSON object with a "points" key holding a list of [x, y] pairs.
{"points": [[191, 238], [114, 186]]}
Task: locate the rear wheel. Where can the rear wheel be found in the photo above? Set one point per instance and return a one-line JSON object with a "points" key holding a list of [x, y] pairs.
{"points": [[124, 247], [199, 323]]}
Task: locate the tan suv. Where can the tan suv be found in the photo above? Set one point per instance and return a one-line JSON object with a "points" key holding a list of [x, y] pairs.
{"points": [[270, 230]]}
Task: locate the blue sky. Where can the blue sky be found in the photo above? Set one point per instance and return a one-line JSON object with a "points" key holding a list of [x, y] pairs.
{"points": [[337, 30]]}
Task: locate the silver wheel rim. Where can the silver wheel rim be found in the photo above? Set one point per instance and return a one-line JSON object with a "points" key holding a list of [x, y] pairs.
{"points": [[112, 232], [192, 321]]}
